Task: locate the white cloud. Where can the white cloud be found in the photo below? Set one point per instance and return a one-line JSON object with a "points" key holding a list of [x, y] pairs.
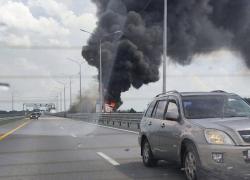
{"points": [[17, 41], [54, 41], [52, 7], [68, 17], [223, 71], [57, 42], [24, 63], [17, 15], [199, 83]]}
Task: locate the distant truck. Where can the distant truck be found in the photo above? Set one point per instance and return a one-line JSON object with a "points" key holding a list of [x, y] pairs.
{"points": [[107, 108]]}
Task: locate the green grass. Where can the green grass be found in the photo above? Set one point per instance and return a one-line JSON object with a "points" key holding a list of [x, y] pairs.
{"points": [[8, 115], [10, 121]]}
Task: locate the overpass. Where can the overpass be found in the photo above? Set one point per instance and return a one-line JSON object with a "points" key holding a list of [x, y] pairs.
{"points": [[38, 105]]}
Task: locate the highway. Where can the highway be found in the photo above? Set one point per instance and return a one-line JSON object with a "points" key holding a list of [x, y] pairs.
{"points": [[53, 148]]}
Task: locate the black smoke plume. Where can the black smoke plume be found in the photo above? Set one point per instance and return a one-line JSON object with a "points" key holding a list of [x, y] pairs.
{"points": [[194, 27]]}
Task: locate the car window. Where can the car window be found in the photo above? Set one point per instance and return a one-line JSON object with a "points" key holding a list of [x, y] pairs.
{"points": [[160, 109], [172, 107], [213, 106], [150, 109]]}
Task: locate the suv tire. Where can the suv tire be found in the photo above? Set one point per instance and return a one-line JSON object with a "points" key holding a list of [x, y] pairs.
{"points": [[191, 163], [147, 155]]}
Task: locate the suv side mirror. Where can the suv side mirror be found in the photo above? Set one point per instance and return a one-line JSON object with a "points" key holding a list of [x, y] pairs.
{"points": [[172, 116]]}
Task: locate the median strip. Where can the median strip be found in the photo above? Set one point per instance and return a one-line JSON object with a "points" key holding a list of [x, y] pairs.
{"points": [[3, 136], [108, 159]]}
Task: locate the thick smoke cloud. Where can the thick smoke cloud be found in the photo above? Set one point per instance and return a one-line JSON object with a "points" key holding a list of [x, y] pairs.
{"points": [[194, 27]]}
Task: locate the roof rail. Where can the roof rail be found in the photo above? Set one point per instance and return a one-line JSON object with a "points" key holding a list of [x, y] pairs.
{"points": [[174, 91], [219, 91]]}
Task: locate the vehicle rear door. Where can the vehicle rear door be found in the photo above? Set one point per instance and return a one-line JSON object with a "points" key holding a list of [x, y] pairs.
{"points": [[170, 132], [157, 117], [153, 127]]}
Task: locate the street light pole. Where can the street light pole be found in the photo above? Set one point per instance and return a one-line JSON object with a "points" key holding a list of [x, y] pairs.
{"points": [[80, 65], [13, 100], [165, 44], [100, 39], [53, 100], [70, 85], [57, 101], [64, 84], [60, 98]]}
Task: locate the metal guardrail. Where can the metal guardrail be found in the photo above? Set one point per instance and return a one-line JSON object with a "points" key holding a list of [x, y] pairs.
{"points": [[11, 118], [128, 118]]}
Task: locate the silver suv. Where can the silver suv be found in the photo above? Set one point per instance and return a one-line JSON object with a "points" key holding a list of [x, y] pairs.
{"points": [[208, 133]]}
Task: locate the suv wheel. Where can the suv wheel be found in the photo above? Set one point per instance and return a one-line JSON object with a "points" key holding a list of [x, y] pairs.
{"points": [[192, 164], [147, 155]]}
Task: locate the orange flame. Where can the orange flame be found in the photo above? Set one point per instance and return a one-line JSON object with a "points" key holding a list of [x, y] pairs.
{"points": [[112, 104], [105, 90]]}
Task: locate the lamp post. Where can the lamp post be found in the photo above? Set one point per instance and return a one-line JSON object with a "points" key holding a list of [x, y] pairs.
{"points": [[60, 98], [100, 39], [165, 44], [13, 100], [70, 76], [57, 101], [80, 73], [64, 84], [53, 100]]}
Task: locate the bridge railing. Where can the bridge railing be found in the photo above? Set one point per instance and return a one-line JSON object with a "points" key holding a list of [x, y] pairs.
{"points": [[121, 118]]}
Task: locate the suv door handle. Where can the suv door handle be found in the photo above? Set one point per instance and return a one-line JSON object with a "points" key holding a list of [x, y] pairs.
{"points": [[150, 123], [162, 125]]}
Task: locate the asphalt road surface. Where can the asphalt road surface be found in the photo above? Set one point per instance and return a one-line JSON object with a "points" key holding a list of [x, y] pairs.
{"points": [[53, 148]]}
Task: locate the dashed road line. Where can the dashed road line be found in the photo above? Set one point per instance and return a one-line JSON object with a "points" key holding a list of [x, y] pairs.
{"points": [[108, 159], [62, 128], [73, 135]]}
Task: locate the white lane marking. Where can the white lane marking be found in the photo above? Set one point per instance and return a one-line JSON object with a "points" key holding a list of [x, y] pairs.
{"points": [[108, 159], [62, 128], [73, 135], [57, 124], [110, 127]]}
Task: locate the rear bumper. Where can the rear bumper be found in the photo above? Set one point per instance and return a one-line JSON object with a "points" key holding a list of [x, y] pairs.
{"points": [[33, 117], [235, 160]]}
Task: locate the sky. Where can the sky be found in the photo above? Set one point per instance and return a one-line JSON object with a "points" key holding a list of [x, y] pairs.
{"points": [[37, 37]]}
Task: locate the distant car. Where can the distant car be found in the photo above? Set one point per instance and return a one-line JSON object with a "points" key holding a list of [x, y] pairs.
{"points": [[206, 133], [34, 116]]}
